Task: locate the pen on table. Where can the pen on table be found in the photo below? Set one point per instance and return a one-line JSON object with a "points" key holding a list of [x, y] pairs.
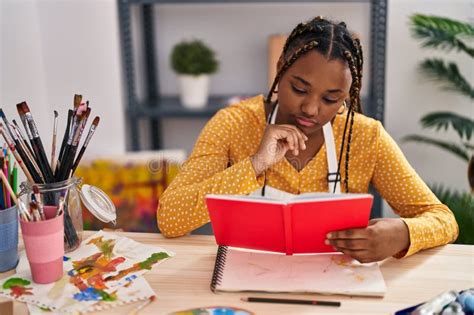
{"points": [[291, 301]]}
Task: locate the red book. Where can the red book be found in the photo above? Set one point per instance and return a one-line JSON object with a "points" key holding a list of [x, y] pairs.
{"points": [[295, 225]]}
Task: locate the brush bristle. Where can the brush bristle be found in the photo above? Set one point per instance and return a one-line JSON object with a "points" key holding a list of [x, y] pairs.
{"points": [[22, 108], [77, 100], [96, 121], [56, 114]]}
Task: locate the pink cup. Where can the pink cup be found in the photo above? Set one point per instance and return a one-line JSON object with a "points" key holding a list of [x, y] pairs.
{"points": [[44, 245]]}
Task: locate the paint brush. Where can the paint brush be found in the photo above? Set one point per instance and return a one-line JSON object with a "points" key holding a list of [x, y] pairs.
{"points": [[92, 128], [16, 155], [21, 152], [21, 206], [60, 206], [23, 110], [73, 142], [34, 210], [39, 201], [22, 137], [53, 145], [29, 155], [70, 114]]}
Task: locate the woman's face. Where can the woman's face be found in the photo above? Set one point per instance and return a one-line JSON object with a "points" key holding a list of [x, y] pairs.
{"points": [[311, 91]]}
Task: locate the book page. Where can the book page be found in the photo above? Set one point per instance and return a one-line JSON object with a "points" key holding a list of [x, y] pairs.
{"points": [[321, 273]]}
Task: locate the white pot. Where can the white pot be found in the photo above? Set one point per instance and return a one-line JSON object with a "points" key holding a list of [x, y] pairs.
{"points": [[194, 90]]}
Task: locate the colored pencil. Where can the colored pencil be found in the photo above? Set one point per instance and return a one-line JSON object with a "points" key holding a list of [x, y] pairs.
{"points": [[21, 206]]}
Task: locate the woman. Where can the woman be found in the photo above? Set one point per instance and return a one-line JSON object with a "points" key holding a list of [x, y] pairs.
{"points": [[313, 137]]}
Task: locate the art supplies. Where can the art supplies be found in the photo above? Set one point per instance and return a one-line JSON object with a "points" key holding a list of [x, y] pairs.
{"points": [[214, 310], [44, 246], [24, 214], [105, 269], [291, 301], [32, 156], [53, 145], [294, 224], [49, 176], [239, 270]]}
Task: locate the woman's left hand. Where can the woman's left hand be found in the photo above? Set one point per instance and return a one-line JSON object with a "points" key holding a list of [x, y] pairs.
{"points": [[382, 238]]}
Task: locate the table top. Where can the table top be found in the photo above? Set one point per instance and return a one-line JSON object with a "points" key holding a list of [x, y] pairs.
{"points": [[182, 282]]}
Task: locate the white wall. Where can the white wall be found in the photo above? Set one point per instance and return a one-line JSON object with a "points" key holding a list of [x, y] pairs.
{"points": [[54, 49]]}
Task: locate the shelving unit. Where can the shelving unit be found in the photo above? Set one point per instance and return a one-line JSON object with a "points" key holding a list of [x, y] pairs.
{"points": [[156, 107]]}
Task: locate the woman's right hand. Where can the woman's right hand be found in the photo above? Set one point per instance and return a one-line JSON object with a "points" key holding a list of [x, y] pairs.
{"points": [[277, 140]]}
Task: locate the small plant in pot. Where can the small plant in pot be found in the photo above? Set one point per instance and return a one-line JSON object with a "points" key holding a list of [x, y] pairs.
{"points": [[193, 61]]}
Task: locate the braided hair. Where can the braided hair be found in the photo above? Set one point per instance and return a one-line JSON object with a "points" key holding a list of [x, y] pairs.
{"points": [[334, 41]]}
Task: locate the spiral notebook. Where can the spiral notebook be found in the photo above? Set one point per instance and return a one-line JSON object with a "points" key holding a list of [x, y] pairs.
{"points": [[238, 270]]}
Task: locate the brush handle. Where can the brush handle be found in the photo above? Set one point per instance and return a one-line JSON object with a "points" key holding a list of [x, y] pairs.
{"points": [[42, 160], [28, 164], [66, 136], [78, 159]]}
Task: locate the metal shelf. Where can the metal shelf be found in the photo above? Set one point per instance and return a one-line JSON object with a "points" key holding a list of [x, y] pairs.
{"points": [[171, 107], [234, 1]]}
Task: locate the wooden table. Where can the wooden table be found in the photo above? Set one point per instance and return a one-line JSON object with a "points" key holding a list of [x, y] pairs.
{"points": [[183, 281]]}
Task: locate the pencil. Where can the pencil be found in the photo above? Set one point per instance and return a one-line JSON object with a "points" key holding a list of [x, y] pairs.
{"points": [[21, 206], [291, 301], [5, 171]]}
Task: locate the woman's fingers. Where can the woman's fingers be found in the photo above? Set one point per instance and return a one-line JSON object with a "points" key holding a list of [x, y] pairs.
{"points": [[300, 136]]}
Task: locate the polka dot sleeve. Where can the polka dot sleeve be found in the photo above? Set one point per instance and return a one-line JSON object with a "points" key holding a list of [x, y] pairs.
{"points": [[430, 223], [182, 207]]}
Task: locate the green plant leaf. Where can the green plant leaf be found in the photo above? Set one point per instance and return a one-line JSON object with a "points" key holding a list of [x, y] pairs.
{"points": [[462, 206], [441, 32], [448, 75], [450, 147], [193, 58], [464, 126]]}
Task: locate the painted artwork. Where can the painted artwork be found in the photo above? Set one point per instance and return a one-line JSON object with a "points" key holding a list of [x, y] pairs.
{"points": [[135, 183], [105, 270]]}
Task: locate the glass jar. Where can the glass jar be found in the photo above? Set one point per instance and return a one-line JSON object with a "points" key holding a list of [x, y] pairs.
{"points": [[50, 195], [73, 191]]}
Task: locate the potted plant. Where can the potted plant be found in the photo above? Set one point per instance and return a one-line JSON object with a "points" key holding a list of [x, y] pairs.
{"points": [[448, 34], [193, 61]]}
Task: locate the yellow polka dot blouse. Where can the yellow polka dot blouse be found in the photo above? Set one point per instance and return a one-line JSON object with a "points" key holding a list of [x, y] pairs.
{"points": [[220, 164]]}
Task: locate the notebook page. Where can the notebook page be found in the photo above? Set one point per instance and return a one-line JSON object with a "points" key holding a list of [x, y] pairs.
{"points": [[323, 273]]}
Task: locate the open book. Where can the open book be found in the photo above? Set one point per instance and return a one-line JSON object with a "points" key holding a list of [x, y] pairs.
{"points": [[286, 224], [238, 270]]}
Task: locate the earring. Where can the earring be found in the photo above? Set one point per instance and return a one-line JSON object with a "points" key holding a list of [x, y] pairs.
{"points": [[344, 106]]}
